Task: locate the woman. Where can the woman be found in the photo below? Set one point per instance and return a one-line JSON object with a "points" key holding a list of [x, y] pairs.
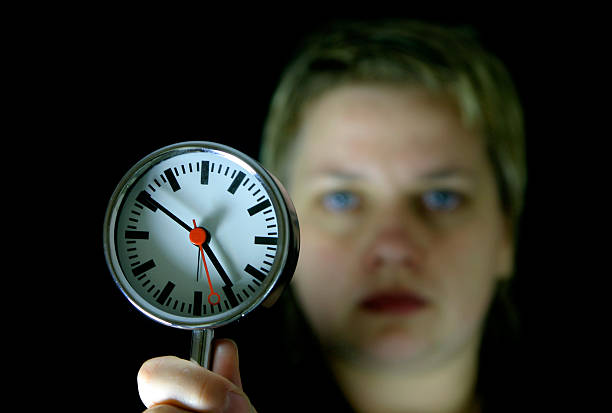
{"points": [[401, 144]]}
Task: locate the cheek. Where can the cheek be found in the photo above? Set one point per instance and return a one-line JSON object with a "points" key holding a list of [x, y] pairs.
{"points": [[322, 279], [464, 267]]}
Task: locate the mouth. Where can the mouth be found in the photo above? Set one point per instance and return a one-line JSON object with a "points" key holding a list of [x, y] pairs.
{"points": [[393, 302]]}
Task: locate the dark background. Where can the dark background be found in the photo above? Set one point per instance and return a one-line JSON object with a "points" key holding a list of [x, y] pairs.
{"points": [[112, 86]]}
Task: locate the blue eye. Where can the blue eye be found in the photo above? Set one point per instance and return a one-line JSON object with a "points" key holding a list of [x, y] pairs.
{"points": [[441, 200], [341, 201]]}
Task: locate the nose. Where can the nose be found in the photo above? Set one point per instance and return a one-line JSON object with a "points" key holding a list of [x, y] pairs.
{"points": [[397, 241]]}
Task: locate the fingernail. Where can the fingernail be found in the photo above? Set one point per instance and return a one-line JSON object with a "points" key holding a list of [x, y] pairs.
{"points": [[236, 403]]}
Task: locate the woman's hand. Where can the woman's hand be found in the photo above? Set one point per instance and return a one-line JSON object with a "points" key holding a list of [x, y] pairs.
{"points": [[170, 384]]}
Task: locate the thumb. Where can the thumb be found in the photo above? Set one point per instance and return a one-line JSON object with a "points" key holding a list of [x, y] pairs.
{"points": [[225, 361]]}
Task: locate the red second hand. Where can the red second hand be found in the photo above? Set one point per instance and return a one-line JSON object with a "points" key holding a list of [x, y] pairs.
{"points": [[198, 236]]}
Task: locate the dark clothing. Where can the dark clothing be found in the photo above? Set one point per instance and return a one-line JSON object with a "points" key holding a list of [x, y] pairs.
{"points": [[281, 365]]}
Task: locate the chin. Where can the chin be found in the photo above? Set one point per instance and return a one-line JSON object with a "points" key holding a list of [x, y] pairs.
{"points": [[392, 348]]}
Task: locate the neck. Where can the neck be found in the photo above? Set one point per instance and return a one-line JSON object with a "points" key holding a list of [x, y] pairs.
{"points": [[447, 388]]}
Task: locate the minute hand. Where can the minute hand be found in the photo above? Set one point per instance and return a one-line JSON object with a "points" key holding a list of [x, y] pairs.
{"points": [[145, 199]]}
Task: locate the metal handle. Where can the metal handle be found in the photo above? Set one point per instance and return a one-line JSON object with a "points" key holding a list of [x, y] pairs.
{"points": [[201, 341]]}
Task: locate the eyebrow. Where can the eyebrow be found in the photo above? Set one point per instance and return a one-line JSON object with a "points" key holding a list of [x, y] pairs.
{"points": [[337, 174], [435, 174], [445, 173]]}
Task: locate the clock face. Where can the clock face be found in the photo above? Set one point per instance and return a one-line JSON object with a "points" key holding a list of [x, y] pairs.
{"points": [[199, 235]]}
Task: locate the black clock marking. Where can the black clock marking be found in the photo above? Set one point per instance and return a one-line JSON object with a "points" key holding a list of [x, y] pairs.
{"points": [[266, 240], [236, 182], [255, 272], [204, 173], [259, 207], [146, 266], [137, 234], [172, 179], [197, 303], [145, 199], [166, 292]]}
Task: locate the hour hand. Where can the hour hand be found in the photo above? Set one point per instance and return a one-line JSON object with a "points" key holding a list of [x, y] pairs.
{"points": [[145, 199], [227, 288], [217, 265]]}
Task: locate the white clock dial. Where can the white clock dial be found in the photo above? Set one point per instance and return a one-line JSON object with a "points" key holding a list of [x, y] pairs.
{"points": [[199, 236]]}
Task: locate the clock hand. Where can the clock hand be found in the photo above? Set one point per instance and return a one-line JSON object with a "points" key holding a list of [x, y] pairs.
{"points": [[198, 236], [217, 265], [198, 270], [202, 239], [145, 199], [227, 288]]}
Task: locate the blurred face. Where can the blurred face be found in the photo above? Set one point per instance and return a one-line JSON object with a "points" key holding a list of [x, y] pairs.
{"points": [[403, 238]]}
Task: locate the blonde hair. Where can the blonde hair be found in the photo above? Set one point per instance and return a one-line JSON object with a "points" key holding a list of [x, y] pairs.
{"points": [[442, 59]]}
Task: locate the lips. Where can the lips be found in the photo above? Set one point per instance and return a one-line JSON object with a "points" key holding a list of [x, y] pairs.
{"points": [[393, 302]]}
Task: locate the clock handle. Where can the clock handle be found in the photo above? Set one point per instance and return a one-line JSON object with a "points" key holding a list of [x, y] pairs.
{"points": [[201, 341]]}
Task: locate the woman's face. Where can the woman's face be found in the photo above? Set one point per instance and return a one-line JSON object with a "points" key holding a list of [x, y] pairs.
{"points": [[403, 237]]}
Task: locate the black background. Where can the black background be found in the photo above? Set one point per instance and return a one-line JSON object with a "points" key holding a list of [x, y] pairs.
{"points": [[106, 87]]}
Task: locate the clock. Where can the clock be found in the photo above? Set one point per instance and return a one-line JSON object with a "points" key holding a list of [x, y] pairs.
{"points": [[197, 235]]}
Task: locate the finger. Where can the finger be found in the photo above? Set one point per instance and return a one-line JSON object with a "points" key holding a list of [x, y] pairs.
{"points": [[165, 408], [181, 383], [225, 361]]}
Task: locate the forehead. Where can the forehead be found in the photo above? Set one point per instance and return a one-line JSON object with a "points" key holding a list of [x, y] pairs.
{"points": [[375, 128]]}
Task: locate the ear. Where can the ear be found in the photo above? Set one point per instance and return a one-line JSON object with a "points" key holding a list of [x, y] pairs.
{"points": [[505, 253]]}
